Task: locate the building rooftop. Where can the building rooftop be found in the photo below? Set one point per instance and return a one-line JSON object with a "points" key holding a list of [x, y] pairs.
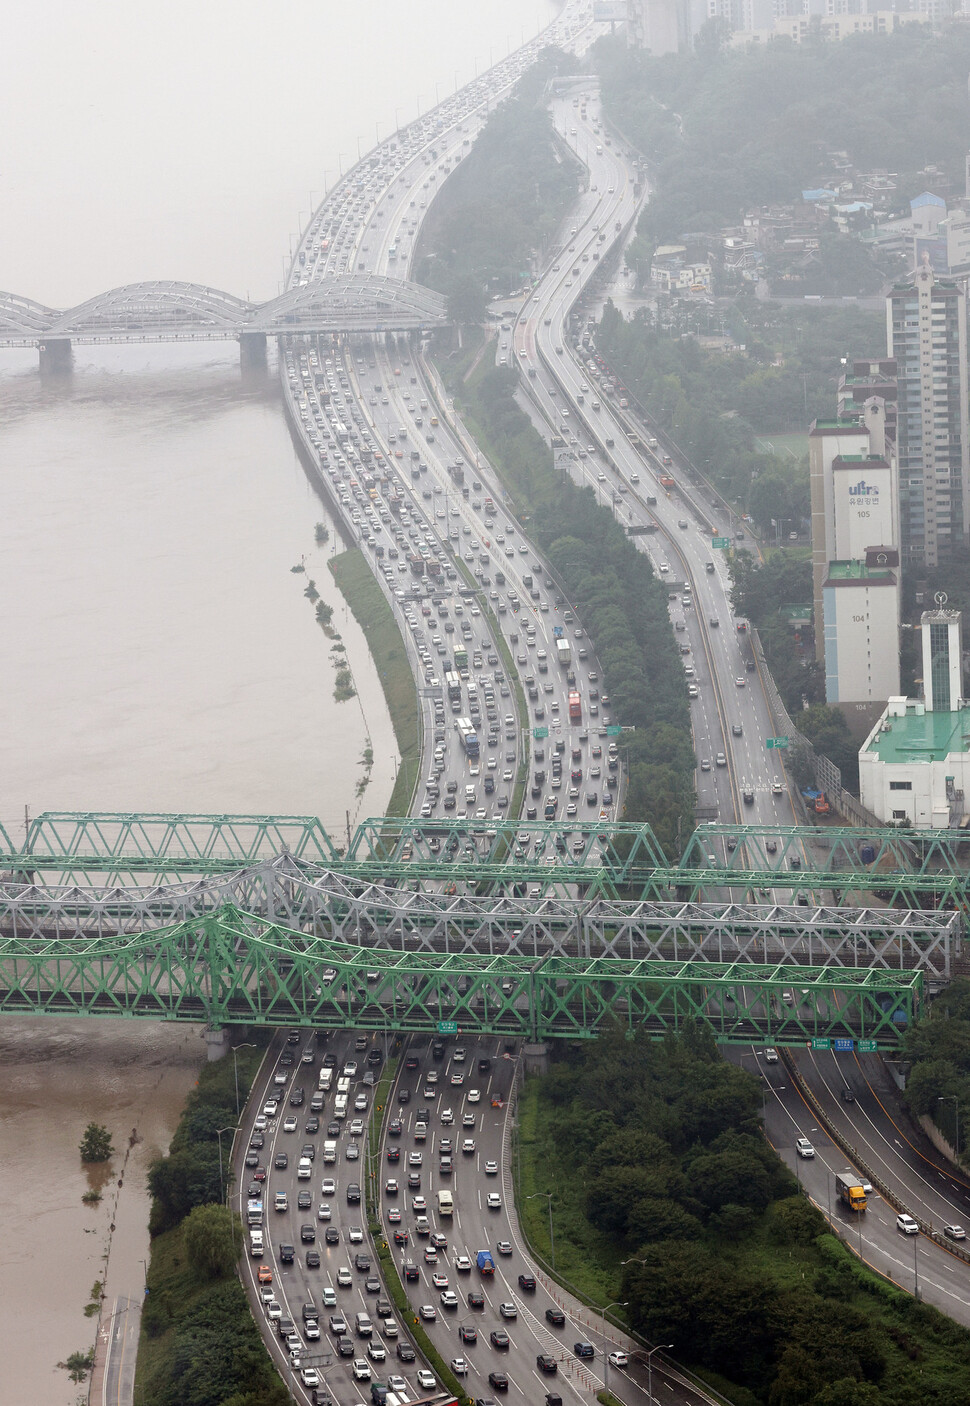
{"points": [[922, 736], [856, 571]]}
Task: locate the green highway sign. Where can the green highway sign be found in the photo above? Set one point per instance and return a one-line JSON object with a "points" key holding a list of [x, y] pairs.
{"points": [[720, 541], [539, 733], [613, 731], [780, 742], [868, 1046], [447, 1027], [818, 1043]]}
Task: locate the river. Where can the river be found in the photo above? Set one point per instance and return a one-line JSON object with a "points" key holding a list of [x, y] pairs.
{"points": [[160, 652]]}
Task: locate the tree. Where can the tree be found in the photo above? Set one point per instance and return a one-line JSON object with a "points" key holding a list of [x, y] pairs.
{"points": [[211, 1236], [96, 1144]]}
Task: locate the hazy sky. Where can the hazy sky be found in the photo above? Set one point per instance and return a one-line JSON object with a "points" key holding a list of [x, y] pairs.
{"points": [[181, 140]]}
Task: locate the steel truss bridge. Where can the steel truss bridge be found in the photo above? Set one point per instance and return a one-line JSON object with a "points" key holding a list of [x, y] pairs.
{"points": [[236, 968], [188, 312], [126, 913]]}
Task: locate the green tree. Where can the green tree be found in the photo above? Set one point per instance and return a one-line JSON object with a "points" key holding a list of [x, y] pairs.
{"points": [[212, 1236], [96, 1144]]}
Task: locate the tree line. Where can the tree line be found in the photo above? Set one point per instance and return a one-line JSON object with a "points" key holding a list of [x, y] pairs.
{"points": [[655, 1156]]}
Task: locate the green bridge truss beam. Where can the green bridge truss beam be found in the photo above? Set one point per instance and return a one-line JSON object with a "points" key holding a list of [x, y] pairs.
{"points": [[234, 968]]}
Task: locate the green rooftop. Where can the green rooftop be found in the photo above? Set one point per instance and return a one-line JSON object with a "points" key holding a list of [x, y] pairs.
{"points": [[923, 737]]}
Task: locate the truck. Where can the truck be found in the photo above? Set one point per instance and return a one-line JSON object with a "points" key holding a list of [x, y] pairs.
{"points": [[486, 1265], [575, 707], [468, 736], [417, 565], [461, 660], [667, 482], [453, 686], [563, 653], [850, 1189]]}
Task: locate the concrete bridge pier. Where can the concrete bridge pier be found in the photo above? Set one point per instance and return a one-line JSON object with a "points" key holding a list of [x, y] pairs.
{"points": [[56, 356], [535, 1057], [216, 1043], [252, 351]]}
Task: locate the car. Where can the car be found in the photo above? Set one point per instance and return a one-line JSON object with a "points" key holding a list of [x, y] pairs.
{"points": [[396, 1383], [426, 1380], [584, 1350], [804, 1148], [313, 1259], [459, 1366], [281, 1161], [499, 1381], [474, 1095], [394, 1154], [439, 1241], [264, 1274], [528, 1283], [740, 681], [619, 1359], [328, 1187], [419, 1203], [848, 1095], [468, 1146], [332, 1236], [311, 1330], [355, 1235], [447, 1116], [468, 1333], [405, 1352], [428, 1312], [329, 1297], [401, 1237], [449, 1299], [508, 1310], [954, 1232], [376, 1351], [309, 1376], [439, 1280], [906, 1224], [493, 1201], [476, 1299], [547, 1364], [304, 1200], [771, 1055], [274, 1310], [499, 1339], [344, 1277], [362, 1372], [556, 1317], [337, 1324], [270, 1108], [394, 1215], [463, 1264], [491, 1169], [411, 1272], [504, 1247], [324, 1211]]}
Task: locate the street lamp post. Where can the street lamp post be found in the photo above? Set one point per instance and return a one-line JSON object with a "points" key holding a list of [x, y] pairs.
{"points": [[660, 1347], [552, 1243], [219, 1132], [620, 1303], [945, 1098], [246, 1045]]}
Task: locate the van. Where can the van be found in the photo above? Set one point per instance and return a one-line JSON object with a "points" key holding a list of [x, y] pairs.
{"points": [[254, 1211], [279, 1201], [340, 1106], [330, 1151], [256, 1244], [343, 1085], [446, 1203], [325, 1080], [304, 1169], [363, 1325]]}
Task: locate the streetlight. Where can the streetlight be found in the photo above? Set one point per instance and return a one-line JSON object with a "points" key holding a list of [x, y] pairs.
{"points": [[246, 1045], [219, 1132], [552, 1243], [620, 1303], [660, 1347], [944, 1098]]}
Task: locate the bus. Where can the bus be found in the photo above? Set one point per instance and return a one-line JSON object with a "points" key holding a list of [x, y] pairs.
{"points": [[461, 661], [469, 737], [446, 1203], [575, 707]]}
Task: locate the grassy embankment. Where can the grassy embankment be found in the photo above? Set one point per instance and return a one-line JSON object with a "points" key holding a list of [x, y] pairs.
{"points": [[386, 643]]}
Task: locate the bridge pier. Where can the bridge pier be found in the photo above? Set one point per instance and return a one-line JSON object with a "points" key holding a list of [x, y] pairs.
{"points": [[56, 356], [535, 1058], [252, 351], [216, 1043]]}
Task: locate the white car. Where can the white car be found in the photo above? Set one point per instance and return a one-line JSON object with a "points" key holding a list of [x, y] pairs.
{"points": [[906, 1224], [289, 1125], [329, 1187], [376, 1351], [491, 1169], [474, 1095], [270, 1107], [426, 1380], [310, 1376], [459, 1366], [804, 1148], [274, 1309], [324, 1212], [447, 1116], [493, 1201], [771, 1056], [355, 1235], [362, 1372], [619, 1359]]}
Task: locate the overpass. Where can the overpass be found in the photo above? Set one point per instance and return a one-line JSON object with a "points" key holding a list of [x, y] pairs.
{"points": [[237, 968], [189, 312]]}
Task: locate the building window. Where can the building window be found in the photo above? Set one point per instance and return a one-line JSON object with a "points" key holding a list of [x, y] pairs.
{"points": [[940, 665], [900, 785], [900, 815]]}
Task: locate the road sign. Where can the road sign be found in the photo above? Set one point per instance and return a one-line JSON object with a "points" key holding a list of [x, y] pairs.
{"points": [[539, 733], [868, 1046], [447, 1027], [720, 541], [821, 1043], [780, 742], [843, 1044], [613, 731]]}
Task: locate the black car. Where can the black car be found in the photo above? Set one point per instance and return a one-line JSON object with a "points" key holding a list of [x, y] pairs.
{"points": [[332, 1235], [498, 1380], [405, 1352], [285, 1326], [476, 1299], [333, 1128], [372, 1285], [404, 1095], [527, 1283], [547, 1363], [313, 1259], [499, 1338], [394, 1154], [848, 1095], [286, 1254], [297, 1097], [286, 1059], [252, 1158], [281, 1161], [395, 1127], [308, 1233], [345, 1346], [584, 1350], [467, 1333], [411, 1272], [556, 1317], [362, 1262], [484, 1065], [293, 1037], [401, 1237], [312, 1124], [353, 1194], [304, 1201], [414, 1181], [411, 1062], [257, 1140], [310, 1313]]}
